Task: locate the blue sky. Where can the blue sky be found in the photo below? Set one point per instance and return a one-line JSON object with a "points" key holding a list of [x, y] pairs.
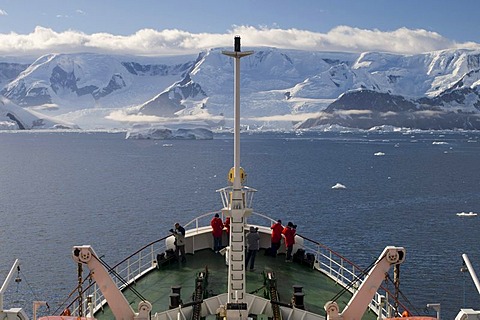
{"points": [[160, 27]]}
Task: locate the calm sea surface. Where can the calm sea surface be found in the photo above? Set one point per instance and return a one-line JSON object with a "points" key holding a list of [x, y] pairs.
{"points": [[63, 189]]}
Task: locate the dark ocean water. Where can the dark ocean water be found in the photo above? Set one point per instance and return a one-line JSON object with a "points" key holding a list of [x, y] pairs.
{"points": [[63, 189]]}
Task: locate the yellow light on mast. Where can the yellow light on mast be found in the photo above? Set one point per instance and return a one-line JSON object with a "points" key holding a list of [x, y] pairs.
{"points": [[231, 175]]}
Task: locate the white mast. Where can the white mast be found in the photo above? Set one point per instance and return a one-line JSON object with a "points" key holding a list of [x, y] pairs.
{"points": [[236, 207], [237, 54]]}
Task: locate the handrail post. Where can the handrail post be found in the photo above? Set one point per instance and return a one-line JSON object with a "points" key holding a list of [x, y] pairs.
{"points": [[318, 257], [152, 256], [330, 261], [139, 263], [128, 271], [341, 271]]}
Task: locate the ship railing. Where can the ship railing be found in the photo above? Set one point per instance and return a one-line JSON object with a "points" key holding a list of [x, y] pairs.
{"points": [[348, 275], [327, 261], [338, 268], [335, 266], [130, 269], [226, 195], [201, 221], [124, 273]]}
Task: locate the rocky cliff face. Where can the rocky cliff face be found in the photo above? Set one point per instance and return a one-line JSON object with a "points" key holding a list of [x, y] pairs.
{"points": [[365, 109], [9, 71]]}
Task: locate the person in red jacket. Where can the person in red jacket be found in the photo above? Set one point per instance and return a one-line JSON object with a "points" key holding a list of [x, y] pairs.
{"points": [[289, 235], [226, 224], [217, 231], [276, 238]]}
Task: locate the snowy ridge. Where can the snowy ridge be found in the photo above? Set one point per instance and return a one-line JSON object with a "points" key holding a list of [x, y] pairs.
{"points": [[280, 89], [13, 117]]}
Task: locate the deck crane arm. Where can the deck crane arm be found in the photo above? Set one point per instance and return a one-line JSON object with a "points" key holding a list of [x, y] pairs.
{"points": [[466, 314], [115, 299], [359, 302]]}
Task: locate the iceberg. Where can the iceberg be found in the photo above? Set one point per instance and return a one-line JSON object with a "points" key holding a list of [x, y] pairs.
{"points": [[467, 214], [169, 134]]}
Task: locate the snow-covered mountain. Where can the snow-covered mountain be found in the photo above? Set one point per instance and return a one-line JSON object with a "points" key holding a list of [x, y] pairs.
{"points": [[13, 117], [280, 89]]}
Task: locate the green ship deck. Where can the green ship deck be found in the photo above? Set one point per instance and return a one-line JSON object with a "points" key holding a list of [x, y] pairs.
{"points": [[156, 286]]}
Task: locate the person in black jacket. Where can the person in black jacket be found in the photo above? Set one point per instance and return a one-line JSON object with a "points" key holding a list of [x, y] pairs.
{"points": [[253, 244], [179, 234]]}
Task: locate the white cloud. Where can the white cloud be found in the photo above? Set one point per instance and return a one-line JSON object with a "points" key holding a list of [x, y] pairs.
{"points": [[172, 41], [429, 113], [353, 112], [3, 13], [292, 117], [388, 114], [122, 116]]}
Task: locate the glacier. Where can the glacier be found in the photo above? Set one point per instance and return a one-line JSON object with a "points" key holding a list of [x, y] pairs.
{"points": [[163, 133], [280, 90]]}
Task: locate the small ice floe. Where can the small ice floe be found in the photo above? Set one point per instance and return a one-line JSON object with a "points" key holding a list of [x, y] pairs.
{"points": [[439, 142], [379, 154], [466, 214], [339, 186]]}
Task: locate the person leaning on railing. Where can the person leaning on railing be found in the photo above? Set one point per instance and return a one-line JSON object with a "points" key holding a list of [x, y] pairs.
{"points": [[179, 234], [276, 237], [289, 235], [217, 231]]}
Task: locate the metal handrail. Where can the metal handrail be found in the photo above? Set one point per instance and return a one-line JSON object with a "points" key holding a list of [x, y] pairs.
{"points": [[248, 194], [124, 273], [196, 221], [346, 273], [144, 260]]}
